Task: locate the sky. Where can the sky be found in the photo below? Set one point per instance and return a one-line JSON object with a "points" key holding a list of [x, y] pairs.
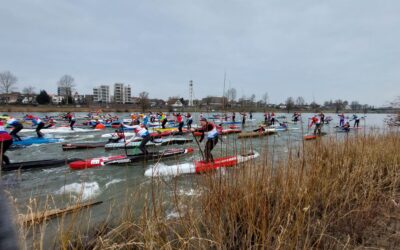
{"points": [[320, 50]]}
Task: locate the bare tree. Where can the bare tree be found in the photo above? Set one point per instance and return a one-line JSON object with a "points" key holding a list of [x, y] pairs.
{"points": [[289, 104], [7, 82], [67, 83], [339, 105], [231, 94], [300, 102], [30, 90], [265, 98], [144, 100]]}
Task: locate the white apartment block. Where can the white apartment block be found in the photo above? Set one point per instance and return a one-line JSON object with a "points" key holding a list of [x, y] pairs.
{"points": [[122, 93], [101, 94]]}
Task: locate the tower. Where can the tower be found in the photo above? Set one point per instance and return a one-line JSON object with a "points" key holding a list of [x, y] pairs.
{"points": [[190, 93]]}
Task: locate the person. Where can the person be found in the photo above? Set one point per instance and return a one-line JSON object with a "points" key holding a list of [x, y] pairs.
{"points": [[322, 117], [164, 120], [259, 129], [273, 118], [266, 118], [179, 119], [317, 121], [346, 126], [17, 126], [36, 121], [251, 115], [243, 119], [51, 123], [212, 138], [356, 121], [141, 131], [341, 121], [296, 117], [6, 141], [71, 120], [233, 117], [145, 120], [119, 135], [189, 120]]}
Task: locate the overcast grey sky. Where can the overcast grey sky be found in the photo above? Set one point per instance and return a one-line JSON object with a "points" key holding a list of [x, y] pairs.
{"points": [[322, 49]]}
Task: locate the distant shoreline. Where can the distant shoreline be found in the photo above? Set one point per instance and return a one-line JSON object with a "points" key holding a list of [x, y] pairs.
{"points": [[65, 108]]}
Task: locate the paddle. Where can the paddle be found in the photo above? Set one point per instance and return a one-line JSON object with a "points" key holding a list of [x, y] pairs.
{"points": [[198, 144], [123, 132]]}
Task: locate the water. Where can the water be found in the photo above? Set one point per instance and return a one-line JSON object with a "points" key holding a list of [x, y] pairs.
{"points": [[110, 183]]}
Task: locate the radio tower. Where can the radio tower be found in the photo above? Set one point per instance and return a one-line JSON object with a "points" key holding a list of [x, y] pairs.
{"points": [[190, 93]]}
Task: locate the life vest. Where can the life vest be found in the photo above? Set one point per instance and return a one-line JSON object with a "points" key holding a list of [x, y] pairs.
{"points": [[141, 131], [213, 133]]}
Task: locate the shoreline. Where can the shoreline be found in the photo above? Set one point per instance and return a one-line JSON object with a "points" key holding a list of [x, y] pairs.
{"points": [[64, 108]]}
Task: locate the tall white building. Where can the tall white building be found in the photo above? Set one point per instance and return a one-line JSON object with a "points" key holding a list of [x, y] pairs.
{"points": [[122, 93], [101, 94]]}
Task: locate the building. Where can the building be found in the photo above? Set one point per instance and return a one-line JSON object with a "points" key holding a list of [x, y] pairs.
{"points": [[122, 94], [10, 98], [101, 94], [57, 99]]}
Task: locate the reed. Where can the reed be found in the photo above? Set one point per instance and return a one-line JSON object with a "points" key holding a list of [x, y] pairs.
{"points": [[328, 193]]}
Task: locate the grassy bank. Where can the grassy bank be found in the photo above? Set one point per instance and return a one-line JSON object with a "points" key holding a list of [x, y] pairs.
{"points": [[326, 194]]}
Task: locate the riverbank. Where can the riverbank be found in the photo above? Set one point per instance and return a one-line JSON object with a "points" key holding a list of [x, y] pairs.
{"points": [[132, 108], [325, 194]]}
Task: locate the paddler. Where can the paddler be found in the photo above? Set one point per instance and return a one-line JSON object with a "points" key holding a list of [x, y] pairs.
{"points": [[164, 120], [346, 126], [36, 121], [145, 120], [317, 122], [341, 121], [119, 135], [356, 121], [5, 142], [141, 131], [71, 120], [17, 126], [212, 138], [189, 121], [233, 117], [179, 120]]}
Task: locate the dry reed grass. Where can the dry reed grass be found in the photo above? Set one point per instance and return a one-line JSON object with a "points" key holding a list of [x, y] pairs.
{"points": [[329, 194]]}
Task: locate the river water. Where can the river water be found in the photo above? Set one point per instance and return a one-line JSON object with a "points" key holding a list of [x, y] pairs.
{"points": [[110, 183]]}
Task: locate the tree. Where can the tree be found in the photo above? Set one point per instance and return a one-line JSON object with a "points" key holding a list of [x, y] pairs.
{"points": [[314, 106], [339, 105], [7, 82], [231, 94], [289, 104], [144, 100], [30, 90], [265, 98], [252, 99], [300, 102], [43, 97], [67, 83], [354, 105]]}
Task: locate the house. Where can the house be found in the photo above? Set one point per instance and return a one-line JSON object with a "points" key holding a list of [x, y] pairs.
{"points": [[57, 99], [28, 99], [10, 98]]}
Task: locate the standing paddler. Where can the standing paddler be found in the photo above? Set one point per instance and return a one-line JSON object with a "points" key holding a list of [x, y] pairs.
{"points": [[36, 121], [17, 126], [141, 131], [212, 138]]}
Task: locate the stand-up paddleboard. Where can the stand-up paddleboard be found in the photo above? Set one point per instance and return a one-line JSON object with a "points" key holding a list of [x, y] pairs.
{"points": [[62, 130], [27, 141], [199, 166], [156, 142], [313, 137], [83, 145], [123, 159], [38, 164], [268, 131], [222, 132]]}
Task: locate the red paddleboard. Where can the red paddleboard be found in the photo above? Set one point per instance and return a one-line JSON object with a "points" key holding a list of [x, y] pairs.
{"points": [[310, 137], [202, 166], [94, 162]]}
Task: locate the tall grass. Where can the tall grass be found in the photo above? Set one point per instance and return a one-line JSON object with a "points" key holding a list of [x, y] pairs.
{"points": [[328, 193]]}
